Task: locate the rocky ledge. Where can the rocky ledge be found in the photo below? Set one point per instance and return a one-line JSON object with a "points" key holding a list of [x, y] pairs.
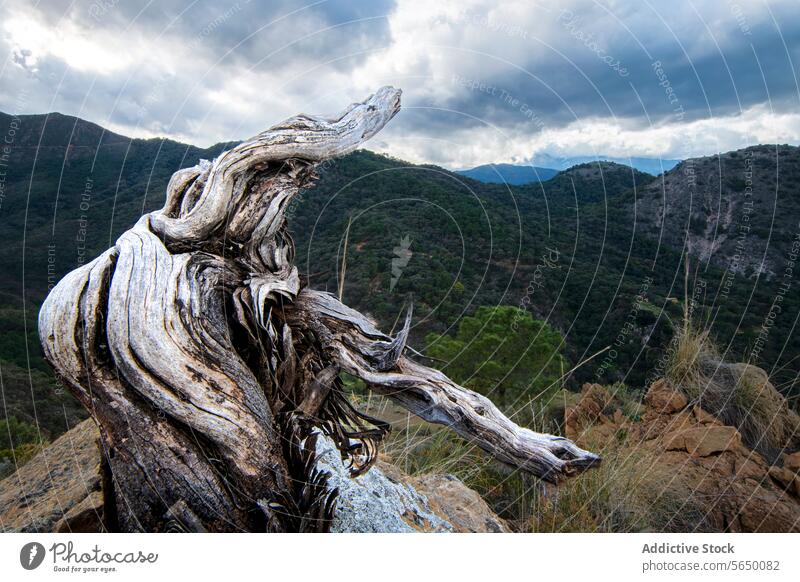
{"points": [[61, 490], [687, 453]]}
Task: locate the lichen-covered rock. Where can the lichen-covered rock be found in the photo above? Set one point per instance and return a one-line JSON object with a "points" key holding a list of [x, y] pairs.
{"points": [[385, 499], [461, 506], [60, 490]]}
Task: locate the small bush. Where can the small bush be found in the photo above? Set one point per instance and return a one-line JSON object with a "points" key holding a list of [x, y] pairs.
{"points": [[19, 443], [14, 432], [687, 352]]}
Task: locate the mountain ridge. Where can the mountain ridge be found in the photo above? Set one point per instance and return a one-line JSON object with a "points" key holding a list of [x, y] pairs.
{"points": [[652, 166], [508, 174], [468, 245]]}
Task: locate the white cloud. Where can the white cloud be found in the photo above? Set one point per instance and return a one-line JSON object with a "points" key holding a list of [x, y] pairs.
{"points": [[477, 146], [31, 41], [153, 74]]}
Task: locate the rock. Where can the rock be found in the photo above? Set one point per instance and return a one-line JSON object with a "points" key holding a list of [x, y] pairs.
{"points": [[704, 441], [691, 456], [461, 506], [59, 489], [762, 510], [86, 516], [664, 398], [749, 467], [704, 417], [385, 499], [588, 411], [792, 462], [788, 480]]}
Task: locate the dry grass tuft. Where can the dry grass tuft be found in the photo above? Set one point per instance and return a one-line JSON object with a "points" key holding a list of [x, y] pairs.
{"points": [[739, 395], [624, 494]]}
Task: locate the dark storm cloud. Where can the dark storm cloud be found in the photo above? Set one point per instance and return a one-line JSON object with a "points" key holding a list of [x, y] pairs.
{"points": [[206, 71], [247, 29], [633, 66]]}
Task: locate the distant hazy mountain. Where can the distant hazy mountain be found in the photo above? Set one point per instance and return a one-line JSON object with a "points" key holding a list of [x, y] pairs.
{"points": [[508, 174], [546, 166], [654, 166]]}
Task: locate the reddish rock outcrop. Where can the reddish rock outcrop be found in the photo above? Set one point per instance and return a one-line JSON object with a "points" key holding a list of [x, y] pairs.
{"points": [[663, 399], [589, 413], [687, 453]]}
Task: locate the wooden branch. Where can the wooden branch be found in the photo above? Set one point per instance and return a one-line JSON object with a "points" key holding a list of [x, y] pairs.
{"points": [[352, 340], [306, 138], [209, 368], [154, 463]]}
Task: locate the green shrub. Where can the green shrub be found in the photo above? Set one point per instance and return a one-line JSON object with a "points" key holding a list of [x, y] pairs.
{"points": [[14, 432], [504, 353]]}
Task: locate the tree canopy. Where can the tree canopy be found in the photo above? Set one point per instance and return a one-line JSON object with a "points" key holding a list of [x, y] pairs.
{"points": [[502, 352]]}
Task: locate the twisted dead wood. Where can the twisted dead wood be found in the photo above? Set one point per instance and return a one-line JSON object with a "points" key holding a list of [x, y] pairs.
{"points": [[210, 370]]}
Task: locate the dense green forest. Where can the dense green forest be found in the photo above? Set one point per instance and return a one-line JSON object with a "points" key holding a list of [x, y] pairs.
{"points": [[569, 252]]}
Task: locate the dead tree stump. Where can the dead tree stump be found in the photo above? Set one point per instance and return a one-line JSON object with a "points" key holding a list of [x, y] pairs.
{"points": [[210, 369]]}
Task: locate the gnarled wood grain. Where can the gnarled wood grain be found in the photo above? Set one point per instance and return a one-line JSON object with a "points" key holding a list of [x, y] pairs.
{"points": [[351, 342], [208, 367]]}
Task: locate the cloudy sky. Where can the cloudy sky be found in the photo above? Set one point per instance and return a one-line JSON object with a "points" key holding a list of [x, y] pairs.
{"points": [[483, 81]]}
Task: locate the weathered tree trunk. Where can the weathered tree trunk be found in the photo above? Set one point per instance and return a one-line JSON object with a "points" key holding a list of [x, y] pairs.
{"points": [[209, 369]]}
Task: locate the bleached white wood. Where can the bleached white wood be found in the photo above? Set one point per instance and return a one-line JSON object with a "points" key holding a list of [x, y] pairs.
{"points": [[206, 365]]}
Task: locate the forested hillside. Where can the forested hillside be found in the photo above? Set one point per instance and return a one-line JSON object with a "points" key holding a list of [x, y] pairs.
{"points": [[583, 252]]}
